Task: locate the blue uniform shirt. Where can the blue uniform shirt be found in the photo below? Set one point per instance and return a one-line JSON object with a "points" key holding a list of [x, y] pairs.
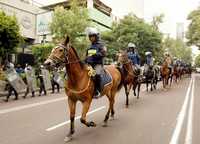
{"points": [[95, 53], [134, 57]]}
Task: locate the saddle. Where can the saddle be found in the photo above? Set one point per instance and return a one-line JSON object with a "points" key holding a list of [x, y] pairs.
{"points": [[104, 79]]}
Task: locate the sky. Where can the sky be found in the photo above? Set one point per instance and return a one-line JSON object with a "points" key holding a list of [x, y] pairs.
{"points": [[175, 11]]}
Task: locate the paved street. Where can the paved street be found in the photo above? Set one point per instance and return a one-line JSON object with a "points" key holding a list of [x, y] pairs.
{"points": [[158, 117]]}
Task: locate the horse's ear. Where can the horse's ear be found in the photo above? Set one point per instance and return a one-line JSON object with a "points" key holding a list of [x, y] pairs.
{"points": [[66, 40]]}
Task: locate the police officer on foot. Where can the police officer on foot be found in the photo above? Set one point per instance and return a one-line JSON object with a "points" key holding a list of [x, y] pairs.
{"points": [[95, 54], [41, 80]]}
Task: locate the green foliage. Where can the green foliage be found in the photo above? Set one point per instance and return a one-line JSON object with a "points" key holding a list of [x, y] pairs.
{"points": [[9, 34], [193, 34], [73, 23], [133, 29], [41, 51], [179, 49], [197, 61]]}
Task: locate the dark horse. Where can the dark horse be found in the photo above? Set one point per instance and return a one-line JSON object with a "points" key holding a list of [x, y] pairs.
{"points": [[177, 73], [151, 76], [79, 85], [129, 77]]}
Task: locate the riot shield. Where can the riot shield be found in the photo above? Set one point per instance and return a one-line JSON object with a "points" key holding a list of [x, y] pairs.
{"points": [[16, 81], [31, 80], [57, 78], [46, 78]]}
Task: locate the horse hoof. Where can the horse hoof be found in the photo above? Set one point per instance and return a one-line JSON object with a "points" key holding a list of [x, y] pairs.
{"points": [[105, 124], [112, 118], [92, 124], [68, 139]]}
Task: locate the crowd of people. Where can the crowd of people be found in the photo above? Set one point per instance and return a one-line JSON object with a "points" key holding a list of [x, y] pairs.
{"points": [[33, 79]]}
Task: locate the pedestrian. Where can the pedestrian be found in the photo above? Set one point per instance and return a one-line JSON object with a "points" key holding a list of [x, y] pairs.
{"points": [[29, 80], [41, 81], [95, 54], [54, 80]]}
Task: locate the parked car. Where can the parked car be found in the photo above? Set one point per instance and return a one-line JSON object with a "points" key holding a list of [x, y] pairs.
{"points": [[198, 70]]}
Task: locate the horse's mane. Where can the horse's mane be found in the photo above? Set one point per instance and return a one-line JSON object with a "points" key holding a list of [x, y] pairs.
{"points": [[80, 62]]}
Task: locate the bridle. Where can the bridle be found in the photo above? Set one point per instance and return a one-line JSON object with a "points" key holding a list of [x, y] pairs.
{"points": [[57, 59]]}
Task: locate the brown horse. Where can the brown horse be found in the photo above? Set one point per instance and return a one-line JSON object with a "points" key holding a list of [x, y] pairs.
{"points": [[165, 74], [79, 85], [129, 77]]}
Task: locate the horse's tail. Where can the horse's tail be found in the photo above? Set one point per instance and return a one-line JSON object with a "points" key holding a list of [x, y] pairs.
{"points": [[122, 78]]}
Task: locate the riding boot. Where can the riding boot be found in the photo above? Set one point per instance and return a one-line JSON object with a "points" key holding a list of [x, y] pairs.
{"points": [[97, 93]]}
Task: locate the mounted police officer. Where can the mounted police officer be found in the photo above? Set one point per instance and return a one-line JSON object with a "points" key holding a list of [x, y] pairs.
{"points": [[168, 59], [95, 54], [149, 58], [134, 56]]}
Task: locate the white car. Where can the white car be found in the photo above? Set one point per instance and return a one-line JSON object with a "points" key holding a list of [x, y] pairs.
{"points": [[198, 70]]}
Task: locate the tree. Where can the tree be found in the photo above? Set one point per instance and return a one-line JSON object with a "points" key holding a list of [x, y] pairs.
{"points": [[72, 22], [197, 61], [9, 35], [193, 34], [42, 51], [179, 49], [157, 20], [133, 29]]}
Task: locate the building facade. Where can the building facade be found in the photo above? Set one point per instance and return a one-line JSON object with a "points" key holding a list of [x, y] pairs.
{"points": [[99, 13], [25, 14], [180, 34]]}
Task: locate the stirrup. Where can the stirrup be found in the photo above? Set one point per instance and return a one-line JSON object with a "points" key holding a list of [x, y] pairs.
{"points": [[97, 95]]}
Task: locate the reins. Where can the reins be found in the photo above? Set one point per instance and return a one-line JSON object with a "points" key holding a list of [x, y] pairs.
{"points": [[67, 62]]}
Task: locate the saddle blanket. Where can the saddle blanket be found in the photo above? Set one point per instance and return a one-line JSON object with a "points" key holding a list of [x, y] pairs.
{"points": [[106, 79]]}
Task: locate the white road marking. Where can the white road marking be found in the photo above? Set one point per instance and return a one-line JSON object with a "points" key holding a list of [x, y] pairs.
{"points": [[188, 138], [76, 118], [181, 116], [4, 111]]}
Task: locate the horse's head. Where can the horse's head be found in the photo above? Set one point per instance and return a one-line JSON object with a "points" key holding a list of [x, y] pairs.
{"points": [[59, 54], [122, 57]]}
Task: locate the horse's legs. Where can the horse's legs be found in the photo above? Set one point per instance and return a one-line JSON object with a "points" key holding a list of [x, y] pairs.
{"points": [[163, 82], [147, 85], [134, 89], [152, 84], [138, 85], [111, 107], [86, 106], [170, 81], [127, 93], [72, 107]]}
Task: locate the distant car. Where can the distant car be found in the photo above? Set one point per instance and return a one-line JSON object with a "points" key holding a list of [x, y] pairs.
{"points": [[198, 70]]}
